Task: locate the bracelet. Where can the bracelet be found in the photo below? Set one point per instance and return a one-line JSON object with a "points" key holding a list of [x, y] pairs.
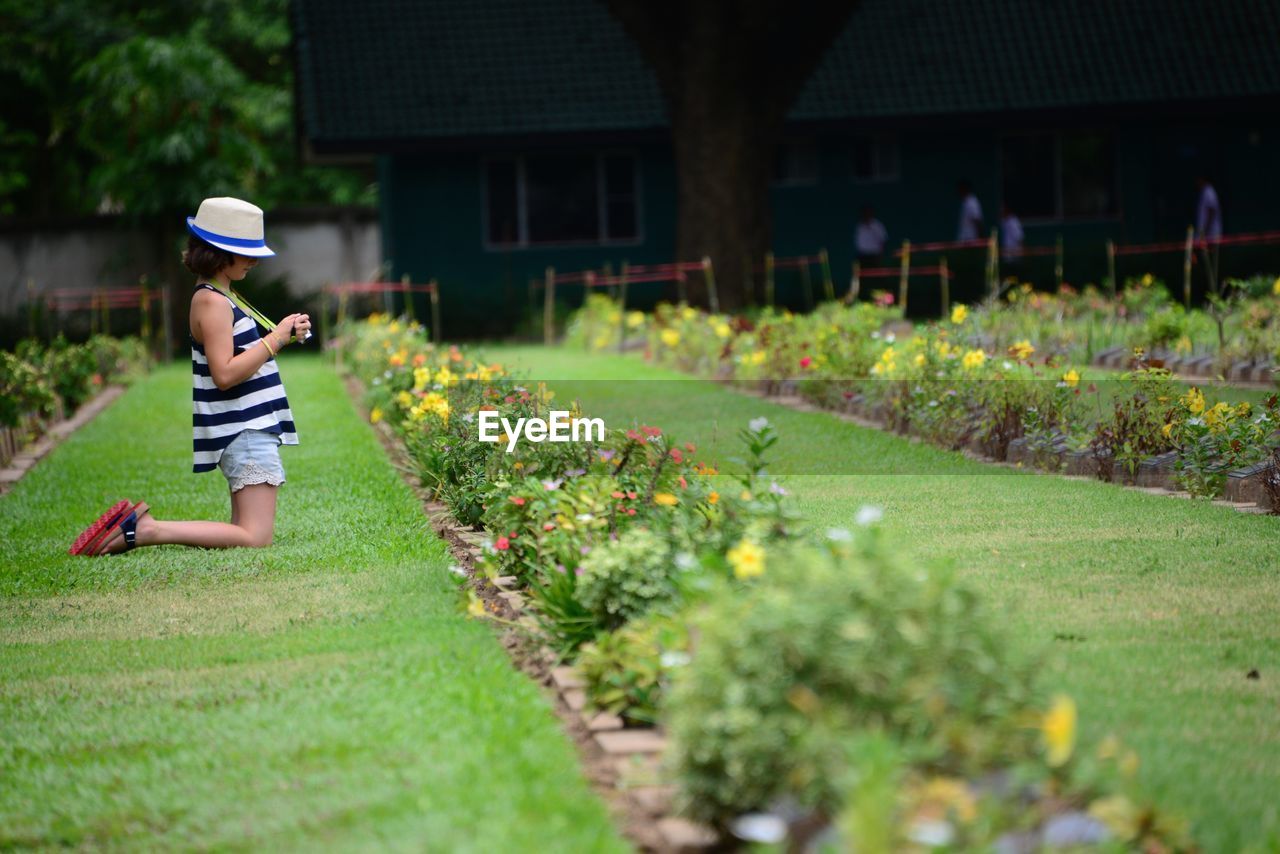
{"points": [[267, 343]]}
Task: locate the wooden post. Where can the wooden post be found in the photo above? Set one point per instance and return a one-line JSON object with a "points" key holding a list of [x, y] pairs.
{"points": [[146, 310], [408, 297], [828, 286], [768, 279], [165, 324], [709, 276], [904, 275], [944, 282], [1111, 266], [1057, 264], [549, 307], [622, 307], [806, 283], [1186, 267], [855, 284], [993, 263], [437, 333]]}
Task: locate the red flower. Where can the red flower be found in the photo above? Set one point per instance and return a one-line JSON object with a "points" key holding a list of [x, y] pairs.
{"points": [[516, 500], [631, 511], [502, 544], [806, 362], [683, 483], [617, 494], [549, 526], [676, 456], [651, 431], [690, 447], [631, 495], [634, 435]]}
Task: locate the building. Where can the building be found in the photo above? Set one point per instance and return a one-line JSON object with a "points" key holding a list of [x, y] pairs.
{"points": [[511, 136]]}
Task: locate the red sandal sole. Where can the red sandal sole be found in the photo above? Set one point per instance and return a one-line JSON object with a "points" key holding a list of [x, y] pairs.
{"points": [[112, 532], [91, 536]]}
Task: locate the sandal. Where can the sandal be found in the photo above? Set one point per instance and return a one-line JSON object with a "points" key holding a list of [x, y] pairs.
{"points": [[91, 537], [126, 527]]}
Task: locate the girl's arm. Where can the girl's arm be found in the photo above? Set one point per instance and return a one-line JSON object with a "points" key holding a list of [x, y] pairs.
{"points": [[211, 326]]}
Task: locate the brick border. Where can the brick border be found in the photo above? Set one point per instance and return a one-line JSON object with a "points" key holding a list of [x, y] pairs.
{"points": [[26, 458]]}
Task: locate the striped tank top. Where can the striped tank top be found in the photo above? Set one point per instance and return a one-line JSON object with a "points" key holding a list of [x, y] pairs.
{"points": [[258, 403]]}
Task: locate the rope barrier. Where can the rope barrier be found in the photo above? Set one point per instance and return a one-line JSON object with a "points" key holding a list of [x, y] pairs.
{"points": [[1253, 238], [943, 246]]}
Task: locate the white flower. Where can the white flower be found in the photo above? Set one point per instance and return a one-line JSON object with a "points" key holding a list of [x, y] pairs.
{"points": [[674, 658], [685, 561], [550, 485], [765, 828], [457, 570], [891, 338], [932, 833], [776, 488], [584, 517], [468, 417], [868, 515], [839, 535], [757, 425], [1007, 365]]}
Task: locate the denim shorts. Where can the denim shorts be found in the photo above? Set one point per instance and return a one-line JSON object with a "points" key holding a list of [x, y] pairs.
{"points": [[253, 457]]}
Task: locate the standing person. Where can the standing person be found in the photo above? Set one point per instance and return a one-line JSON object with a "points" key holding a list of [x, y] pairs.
{"points": [[241, 416], [1010, 238], [970, 227], [870, 238], [1208, 211]]}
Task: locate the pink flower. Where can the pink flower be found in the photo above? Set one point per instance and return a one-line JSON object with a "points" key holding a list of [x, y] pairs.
{"points": [[502, 544], [676, 456], [516, 500], [806, 361], [549, 526], [690, 447], [634, 435], [651, 431]]}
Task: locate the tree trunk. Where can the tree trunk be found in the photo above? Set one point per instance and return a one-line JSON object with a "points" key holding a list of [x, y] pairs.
{"points": [[723, 162], [729, 73]]}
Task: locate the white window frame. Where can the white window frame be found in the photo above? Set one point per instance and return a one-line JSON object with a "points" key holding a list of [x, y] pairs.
{"points": [[522, 204]]}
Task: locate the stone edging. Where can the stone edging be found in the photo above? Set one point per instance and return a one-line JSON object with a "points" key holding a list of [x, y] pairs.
{"points": [[24, 461], [623, 765]]}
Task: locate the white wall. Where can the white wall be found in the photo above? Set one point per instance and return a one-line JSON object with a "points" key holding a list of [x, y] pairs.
{"points": [[312, 250]]}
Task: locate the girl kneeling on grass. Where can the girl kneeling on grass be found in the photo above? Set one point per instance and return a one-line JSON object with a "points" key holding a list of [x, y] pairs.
{"points": [[240, 413]]}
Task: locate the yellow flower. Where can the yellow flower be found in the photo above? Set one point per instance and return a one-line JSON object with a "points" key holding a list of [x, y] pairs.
{"points": [[888, 355], [973, 359], [958, 314], [1218, 417], [1275, 289], [1148, 280], [670, 337], [394, 327], [375, 415], [918, 361], [635, 319], [1193, 400], [1071, 378], [665, 499], [1167, 430], [446, 377], [421, 378], [1022, 350], [722, 330], [713, 497], [1244, 410], [404, 399], [1059, 730], [688, 313], [475, 607], [747, 560], [755, 358], [746, 495]]}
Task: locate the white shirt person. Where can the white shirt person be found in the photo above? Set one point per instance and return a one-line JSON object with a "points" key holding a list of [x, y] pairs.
{"points": [[970, 226], [1208, 211], [870, 237]]}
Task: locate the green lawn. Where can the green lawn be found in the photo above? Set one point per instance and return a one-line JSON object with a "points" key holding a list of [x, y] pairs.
{"points": [[325, 692], [1150, 610]]}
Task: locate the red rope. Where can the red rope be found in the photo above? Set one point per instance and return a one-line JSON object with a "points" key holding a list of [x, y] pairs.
{"points": [[1253, 238], [895, 272], [944, 245]]}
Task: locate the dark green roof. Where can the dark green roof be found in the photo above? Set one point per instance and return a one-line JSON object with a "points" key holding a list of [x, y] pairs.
{"points": [[386, 73]]}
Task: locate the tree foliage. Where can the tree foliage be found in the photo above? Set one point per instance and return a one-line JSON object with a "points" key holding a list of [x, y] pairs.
{"points": [[146, 108]]}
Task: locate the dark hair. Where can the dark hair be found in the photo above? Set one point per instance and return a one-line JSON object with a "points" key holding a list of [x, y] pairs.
{"points": [[204, 259]]}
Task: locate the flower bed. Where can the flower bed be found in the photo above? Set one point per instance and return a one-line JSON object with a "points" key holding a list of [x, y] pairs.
{"points": [[40, 385], [945, 384], [809, 683]]}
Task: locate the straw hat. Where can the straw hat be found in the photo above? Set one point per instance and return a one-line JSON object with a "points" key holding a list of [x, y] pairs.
{"points": [[231, 224]]}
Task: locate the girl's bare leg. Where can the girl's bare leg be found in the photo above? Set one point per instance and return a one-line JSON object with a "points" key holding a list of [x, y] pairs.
{"points": [[253, 521]]}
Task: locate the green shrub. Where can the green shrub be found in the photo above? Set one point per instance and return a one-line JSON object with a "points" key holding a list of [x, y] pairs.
{"points": [[24, 388], [627, 671], [628, 577], [828, 644]]}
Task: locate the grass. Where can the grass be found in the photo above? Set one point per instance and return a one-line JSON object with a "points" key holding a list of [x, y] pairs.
{"points": [[325, 692], [1149, 611]]}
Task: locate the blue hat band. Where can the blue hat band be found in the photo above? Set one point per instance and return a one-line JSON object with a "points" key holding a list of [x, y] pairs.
{"points": [[209, 236]]}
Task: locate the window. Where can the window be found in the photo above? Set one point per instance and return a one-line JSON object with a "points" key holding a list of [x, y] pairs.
{"points": [[543, 199], [875, 158], [795, 164], [1053, 176]]}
